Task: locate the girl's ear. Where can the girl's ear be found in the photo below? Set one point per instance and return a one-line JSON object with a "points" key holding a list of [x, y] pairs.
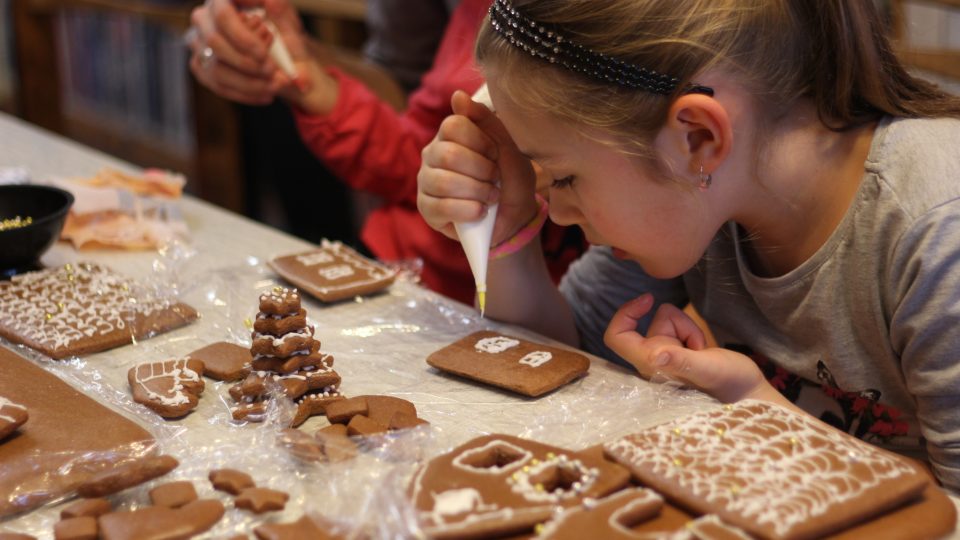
{"points": [[700, 131]]}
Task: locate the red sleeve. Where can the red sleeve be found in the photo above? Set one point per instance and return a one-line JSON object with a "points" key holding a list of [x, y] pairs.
{"points": [[372, 147]]}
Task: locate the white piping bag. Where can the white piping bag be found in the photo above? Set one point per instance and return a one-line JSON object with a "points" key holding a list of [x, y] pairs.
{"points": [[475, 236]]}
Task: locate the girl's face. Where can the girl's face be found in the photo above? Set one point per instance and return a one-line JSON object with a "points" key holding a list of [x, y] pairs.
{"points": [[656, 222]]}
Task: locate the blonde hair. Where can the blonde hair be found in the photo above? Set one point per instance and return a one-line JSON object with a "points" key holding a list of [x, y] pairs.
{"points": [[832, 52]]}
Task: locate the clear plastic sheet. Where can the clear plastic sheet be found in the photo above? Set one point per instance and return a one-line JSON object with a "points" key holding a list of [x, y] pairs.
{"points": [[380, 344]]}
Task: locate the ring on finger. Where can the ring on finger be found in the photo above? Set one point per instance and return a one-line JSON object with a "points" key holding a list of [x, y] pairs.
{"points": [[207, 57]]}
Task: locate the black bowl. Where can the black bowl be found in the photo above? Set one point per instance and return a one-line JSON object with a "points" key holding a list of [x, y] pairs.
{"points": [[21, 248]]}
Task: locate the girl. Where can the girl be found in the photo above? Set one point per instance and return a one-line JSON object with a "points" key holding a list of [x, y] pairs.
{"points": [[769, 161]]}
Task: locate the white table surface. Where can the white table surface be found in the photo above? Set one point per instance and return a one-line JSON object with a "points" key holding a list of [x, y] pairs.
{"points": [[380, 344]]}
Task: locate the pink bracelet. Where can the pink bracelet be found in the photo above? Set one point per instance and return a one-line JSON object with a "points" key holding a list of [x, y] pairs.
{"points": [[525, 235]]}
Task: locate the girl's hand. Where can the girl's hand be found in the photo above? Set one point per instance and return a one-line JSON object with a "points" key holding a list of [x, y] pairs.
{"points": [[470, 164], [674, 348]]}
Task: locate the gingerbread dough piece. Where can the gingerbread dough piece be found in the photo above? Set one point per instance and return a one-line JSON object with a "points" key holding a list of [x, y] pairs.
{"points": [[333, 272], [12, 416], [161, 522], [499, 485], [86, 507], [127, 475], [768, 470], [512, 363], [611, 517], [78, 309], [171, 388], [260, 500], [230, 481], [304, 528], [280, 301], [224, 361], [173, 494], [63, 425], [269, 345], [315, 403], [78, 528], [278, 325]]}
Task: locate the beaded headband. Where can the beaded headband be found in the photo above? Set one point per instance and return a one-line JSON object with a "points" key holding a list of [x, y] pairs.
{"points": [[547, 43]]}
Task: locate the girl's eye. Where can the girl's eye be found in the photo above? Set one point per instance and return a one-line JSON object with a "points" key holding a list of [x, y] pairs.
{"points": [[563, 182]]}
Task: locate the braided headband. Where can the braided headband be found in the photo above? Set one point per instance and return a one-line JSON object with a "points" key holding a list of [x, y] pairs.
{"points": [[548, 44]]}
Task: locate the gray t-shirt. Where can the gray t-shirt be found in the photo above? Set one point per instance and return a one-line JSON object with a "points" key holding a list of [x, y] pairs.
{"points": [[866, 333]]}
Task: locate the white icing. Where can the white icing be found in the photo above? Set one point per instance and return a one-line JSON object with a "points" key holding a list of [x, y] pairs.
{"points": [[304, 333], [458, 501], [525, 457], [57, 307], [176, 370], [365, 271], [496, 344], [313, 259], [336, 272], [702, 453], [522, 484], [536, 358], [4, 403]]}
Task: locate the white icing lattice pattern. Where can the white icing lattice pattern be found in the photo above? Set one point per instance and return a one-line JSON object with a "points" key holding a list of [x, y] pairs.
{"points": [[354, 262], [58, 307], [800, 469], [177, 371]]}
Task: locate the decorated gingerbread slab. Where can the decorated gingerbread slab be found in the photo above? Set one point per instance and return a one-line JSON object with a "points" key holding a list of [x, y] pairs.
{"points": [[499, 485], [769, 471], [170, 388], [522, 366], [333, 272], [64, 425], [77, 309]]}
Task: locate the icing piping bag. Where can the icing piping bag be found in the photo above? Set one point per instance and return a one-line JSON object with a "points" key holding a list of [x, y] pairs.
{"points": [[281, 55], [475, 238]]}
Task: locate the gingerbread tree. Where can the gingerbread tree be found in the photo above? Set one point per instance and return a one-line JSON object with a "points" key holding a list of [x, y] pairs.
{"points": [[285, 352]]}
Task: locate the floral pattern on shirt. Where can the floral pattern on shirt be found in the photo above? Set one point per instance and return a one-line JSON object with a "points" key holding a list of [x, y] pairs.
{"points": [[859, 413]]}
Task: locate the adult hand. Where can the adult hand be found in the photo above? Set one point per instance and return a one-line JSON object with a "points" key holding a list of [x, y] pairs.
{"points": [[472, 163], [675, 348], [230, 41]]}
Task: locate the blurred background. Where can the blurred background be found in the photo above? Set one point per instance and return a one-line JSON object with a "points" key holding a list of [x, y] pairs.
{"points": [[113, 74]]}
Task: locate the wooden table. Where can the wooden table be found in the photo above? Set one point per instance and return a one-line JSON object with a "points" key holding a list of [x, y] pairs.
{"points": [[380, 344]]}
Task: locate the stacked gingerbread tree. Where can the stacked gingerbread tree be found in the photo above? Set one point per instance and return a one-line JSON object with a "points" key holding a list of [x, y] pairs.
{"points": [[287, 362]]}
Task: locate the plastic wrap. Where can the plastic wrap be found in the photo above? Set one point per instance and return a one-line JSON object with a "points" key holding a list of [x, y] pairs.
{"points": [[380, 344]]}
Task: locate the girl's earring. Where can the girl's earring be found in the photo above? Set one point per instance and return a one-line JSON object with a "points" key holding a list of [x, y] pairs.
{"points": [[705, 181]]}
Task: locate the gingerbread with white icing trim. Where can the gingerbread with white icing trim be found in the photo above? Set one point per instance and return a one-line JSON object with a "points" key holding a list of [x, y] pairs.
{"points": [[83, 308], [333, 272], [171, 388], [499, 485], [768, 470], [518, 365]]}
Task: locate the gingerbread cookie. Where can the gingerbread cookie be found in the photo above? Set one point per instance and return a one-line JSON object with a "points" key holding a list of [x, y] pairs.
{"points": [[63, 424], [230, 481], [280, 301], [528, 368], [86, 507], [133, 473], [315, 403], [612, 517], [304, 528], [278, 325], [499, 485], [173, 494], [78, 528], [171, 388], [84, 308], [268, 345], [223, 361], [161, 522], [769, 470], [333, 272], [259, 500], [12, 416]]}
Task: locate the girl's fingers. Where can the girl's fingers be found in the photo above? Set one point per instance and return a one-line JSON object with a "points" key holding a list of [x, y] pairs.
{"points": [[455, 157], [621, 334], [673, 322]]}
